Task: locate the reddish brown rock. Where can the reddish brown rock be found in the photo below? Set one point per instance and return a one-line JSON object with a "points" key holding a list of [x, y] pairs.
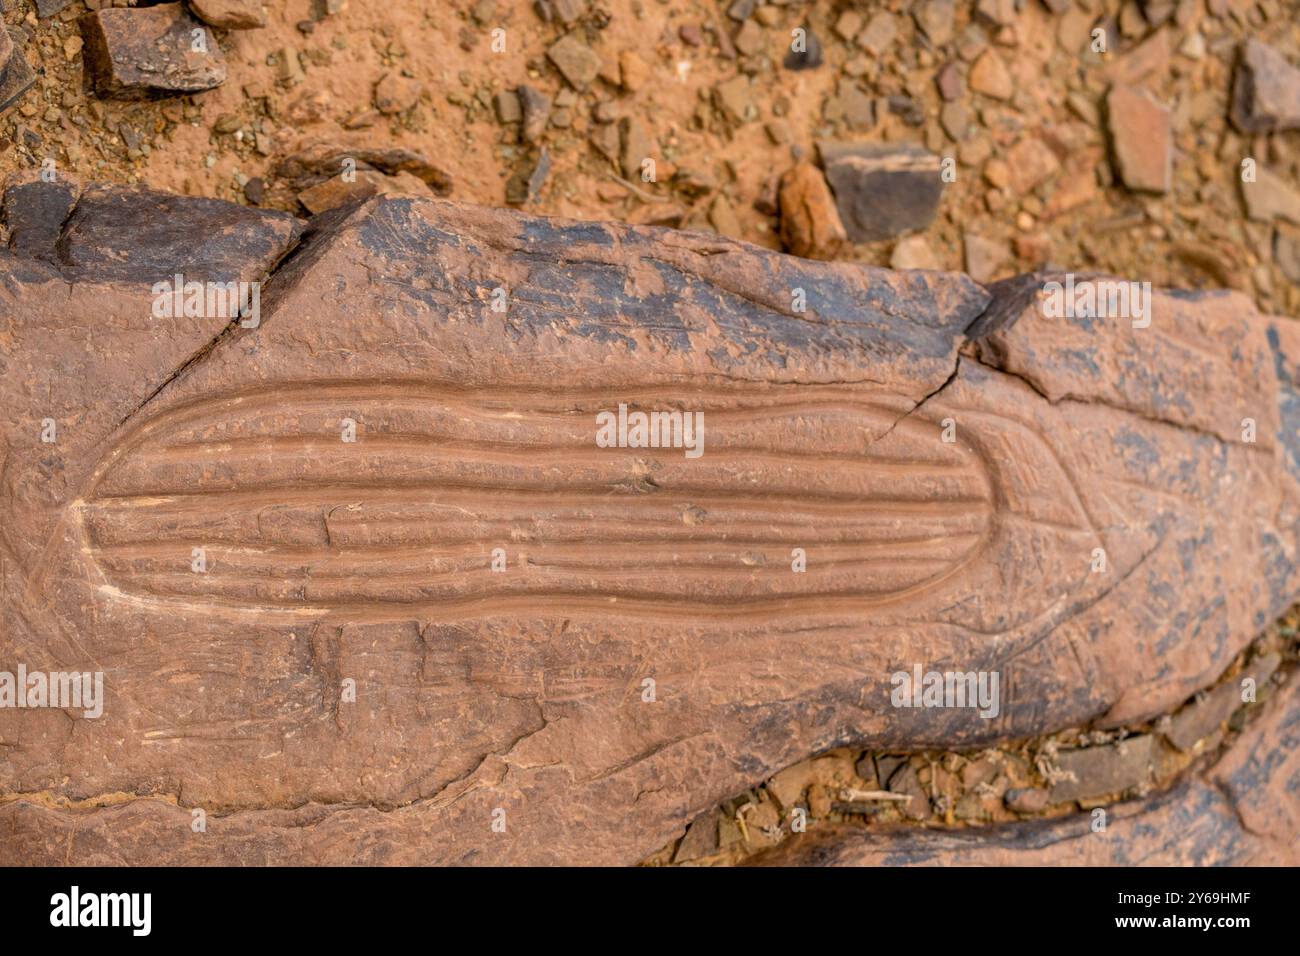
{"points": [[150, 51], [1265, 91], [1140, 139], [810, 223], [334, 566], [318, 161], [230, 14]]}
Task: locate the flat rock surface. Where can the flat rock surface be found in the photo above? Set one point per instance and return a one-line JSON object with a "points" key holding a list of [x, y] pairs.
{"points": [[472, 350], [142, 52]]}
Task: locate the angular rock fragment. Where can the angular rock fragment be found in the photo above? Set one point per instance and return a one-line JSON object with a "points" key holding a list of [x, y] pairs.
{"points": [[1113, 768], [230, 14], [882, 190], [806, 53], [143, 52], [16, 75], [810, 223], [1141, 140], [1198, 720], [577, 62], [824, 390], [1269, 197], [319, 161], [1265, 90]]}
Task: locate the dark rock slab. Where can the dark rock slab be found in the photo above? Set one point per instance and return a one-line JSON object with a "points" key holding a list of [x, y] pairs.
{"points": [[882, 190], [134, 234], [34, 214], [145, 52]]}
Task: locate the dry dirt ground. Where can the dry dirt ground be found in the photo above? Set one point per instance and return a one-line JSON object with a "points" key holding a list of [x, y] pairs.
{"points": [[704, 89]]}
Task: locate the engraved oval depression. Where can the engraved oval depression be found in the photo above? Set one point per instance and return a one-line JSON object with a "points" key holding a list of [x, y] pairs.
{"points": [[270, 501]]}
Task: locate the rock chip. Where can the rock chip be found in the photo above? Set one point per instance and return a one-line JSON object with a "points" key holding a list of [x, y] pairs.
{"points": [[536, 110], [882, 190], [934, 17], [1271, 197], [230, 14], [1141, 140], [990, 76], [16, 74], [1112, 768], [1200, 718], [141, 52], [395, 93], [913, 252], [810, 221], [1266, 90], [578, 63], [805, 52], [984, 257], [322, 160], [1027, 800]]}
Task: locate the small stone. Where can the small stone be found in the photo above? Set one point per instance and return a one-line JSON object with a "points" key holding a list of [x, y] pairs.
{"points": [[934, 17], [848, 25], [576, 61], [955, 120], [906, 782], [395, 94], [810, 221], [880, 33], [1099, 771], [1271, 197], [882, 190], [984, 257], [255, 190], [1027, 800], [1265, 91], [1140, 139], [989, 76], [48, 8], [535, 109], [525, 186], [913, 252], [508, 110], [701, 839], [633, 70], [734, 99], [230, 14], [636, 147], [750, 39], [1193, 46], [723, 218], [691, 34], [949, 82], [805, 55], [1031, 162]]}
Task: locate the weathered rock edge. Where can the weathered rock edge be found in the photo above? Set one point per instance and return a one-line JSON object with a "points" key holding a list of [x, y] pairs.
{"points": [[479, 692], [1244, 810]]}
